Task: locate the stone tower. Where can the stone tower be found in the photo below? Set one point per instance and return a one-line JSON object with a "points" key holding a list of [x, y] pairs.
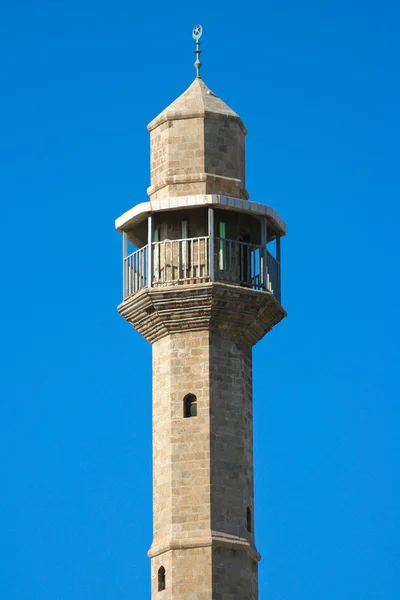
{"points": [[201, 285]]}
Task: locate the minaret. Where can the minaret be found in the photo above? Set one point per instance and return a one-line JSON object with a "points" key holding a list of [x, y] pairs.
{"points": [[201, 285]]}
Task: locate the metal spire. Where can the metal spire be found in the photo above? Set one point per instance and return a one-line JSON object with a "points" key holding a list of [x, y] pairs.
{"points": [[196, 35]]}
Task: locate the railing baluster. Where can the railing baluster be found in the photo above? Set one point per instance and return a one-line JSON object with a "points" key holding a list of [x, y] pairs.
{"points": [[137, 272], [126, 277], [198, 257], [192, 257], [254, 268], [258, 268], [134, 275], [239, 248], [156, 262], [234, 258], [144, 273], [130, 276], [248, 260], [206, 257], [147, 281], [141, 268], [252, 279], [170, 278], [253, 275], [184, 258], [179, 260], [164, 277]]}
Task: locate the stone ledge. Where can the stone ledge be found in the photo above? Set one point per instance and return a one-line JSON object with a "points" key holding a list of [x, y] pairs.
{"points": [[216, 539], [173, 179], [157, 312]]}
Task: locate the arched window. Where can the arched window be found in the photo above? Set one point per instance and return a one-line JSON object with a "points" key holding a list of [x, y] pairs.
{"points": [[248, 519], [190, 406], [161, 579]]}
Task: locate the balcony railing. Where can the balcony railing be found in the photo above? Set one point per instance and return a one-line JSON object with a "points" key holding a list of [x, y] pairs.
{"points": [[180, 261], [189, 261], [135, 272]]}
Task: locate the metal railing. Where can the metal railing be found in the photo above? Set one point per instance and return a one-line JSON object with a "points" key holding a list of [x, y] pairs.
{"points": [[178, 261], [188, 260], [273, 276], [135, 272], [240, 262]]}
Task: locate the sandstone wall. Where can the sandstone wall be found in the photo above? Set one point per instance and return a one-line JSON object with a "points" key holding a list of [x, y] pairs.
{"points": [[203, 468]]}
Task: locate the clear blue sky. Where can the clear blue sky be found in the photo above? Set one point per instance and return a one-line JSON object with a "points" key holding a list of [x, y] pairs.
{"points": [[317, 85]]}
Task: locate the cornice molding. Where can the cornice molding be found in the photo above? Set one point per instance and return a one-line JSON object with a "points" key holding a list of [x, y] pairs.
{"points": [[160, 311], [216, 539]]}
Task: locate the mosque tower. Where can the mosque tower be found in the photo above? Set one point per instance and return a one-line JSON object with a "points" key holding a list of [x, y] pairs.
{"points": [[202, 285]]}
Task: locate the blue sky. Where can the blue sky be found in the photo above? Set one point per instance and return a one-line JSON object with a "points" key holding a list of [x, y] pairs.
{"points": [[317, 86]]}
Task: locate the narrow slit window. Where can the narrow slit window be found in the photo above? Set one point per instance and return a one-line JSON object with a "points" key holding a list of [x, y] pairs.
{"points": [[161, 579], [190, 406], [248, 518]]}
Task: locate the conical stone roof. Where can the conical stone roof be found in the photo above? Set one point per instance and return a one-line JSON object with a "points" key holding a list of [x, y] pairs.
{"points": [[197, 101]]}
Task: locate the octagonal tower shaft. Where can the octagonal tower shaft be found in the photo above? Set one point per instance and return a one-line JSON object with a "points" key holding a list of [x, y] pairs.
{"points": [[203, 467], [203, 288]]}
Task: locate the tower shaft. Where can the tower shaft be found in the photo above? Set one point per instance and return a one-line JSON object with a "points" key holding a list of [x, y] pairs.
{"points": [[203, 467]]}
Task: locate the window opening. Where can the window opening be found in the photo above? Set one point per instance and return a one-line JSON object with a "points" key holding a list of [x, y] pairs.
{"points": [[190, 406], [248, 518], [161, 579]]}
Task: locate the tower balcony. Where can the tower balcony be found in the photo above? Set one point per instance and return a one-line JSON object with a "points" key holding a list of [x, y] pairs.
{"points": [[190, 261], [199, 262]]}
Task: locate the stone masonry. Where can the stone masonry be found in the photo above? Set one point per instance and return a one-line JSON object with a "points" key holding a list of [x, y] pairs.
{"points": [[203, 467]]}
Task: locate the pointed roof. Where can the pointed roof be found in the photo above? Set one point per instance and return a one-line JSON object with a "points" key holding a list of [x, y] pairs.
{"points": [[197, 101]]}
